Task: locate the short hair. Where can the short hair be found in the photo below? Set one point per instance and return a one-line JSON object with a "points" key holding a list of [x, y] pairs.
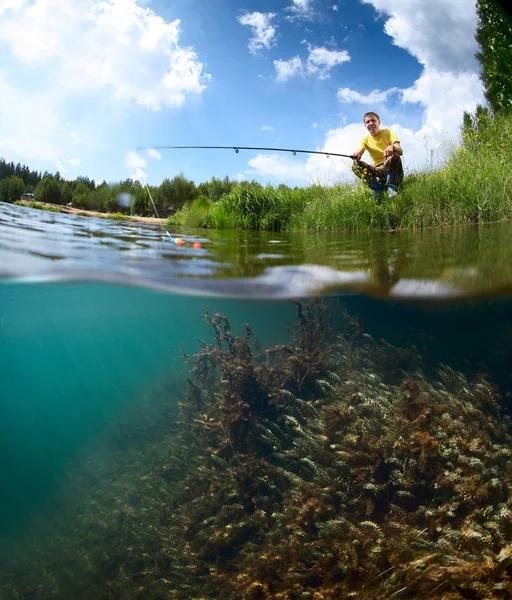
{"points": [[371, 113]]}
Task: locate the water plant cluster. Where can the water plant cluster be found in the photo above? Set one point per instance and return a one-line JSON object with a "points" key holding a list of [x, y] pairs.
{"points": [[332, 466]]}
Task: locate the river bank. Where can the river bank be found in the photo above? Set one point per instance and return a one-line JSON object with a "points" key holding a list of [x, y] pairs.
{"points": [[89, 213]]}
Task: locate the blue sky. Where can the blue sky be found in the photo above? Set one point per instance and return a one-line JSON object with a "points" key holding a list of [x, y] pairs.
{"points": [[86, 82]]}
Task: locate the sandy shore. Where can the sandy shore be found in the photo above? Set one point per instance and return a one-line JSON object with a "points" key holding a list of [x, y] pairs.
{"points": [[91, 213]]}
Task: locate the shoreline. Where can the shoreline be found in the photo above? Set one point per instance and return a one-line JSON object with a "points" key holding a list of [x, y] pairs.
{"points": [[91, 213]]}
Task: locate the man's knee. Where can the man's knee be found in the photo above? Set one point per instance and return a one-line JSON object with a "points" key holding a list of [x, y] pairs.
{"points": [[393, 163], [357, 169]]}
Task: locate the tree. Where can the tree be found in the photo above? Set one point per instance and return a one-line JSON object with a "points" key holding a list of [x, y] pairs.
{"points": [[11, 189], [494, 35], [474, 126], [48, 190], [141, 201]]}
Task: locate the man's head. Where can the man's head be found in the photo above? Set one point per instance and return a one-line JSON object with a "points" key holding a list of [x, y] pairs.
{"points": [[372, 123]]}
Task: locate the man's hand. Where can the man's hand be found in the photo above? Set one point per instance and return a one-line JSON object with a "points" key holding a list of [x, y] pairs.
{"points": [[357, 154], [389, 151]]}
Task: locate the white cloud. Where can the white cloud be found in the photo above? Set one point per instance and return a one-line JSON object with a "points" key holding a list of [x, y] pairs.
{"points": [[7, 4], [75, 138], [24, 133], [278, 166], [439, 33], [114, 45], [152, 153], [267, 128], [60, 167], [319, 62], [288, 68], [74, 162], [334, 7], [264, 32], [139, 176], [134, 160], [444, 96], [240, 176], [115, 53], [300, 9], [348, 96]]}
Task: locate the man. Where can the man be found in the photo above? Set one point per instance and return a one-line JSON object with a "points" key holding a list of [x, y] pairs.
{"points": [[385, 151]]}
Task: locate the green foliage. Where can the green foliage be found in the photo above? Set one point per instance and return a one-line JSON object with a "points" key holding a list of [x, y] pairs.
{"points": [[193, 214], [494, 35], [11, 189], [43, 207], [49, 190], [474, 126], [215, 188], [30, 178], [253, 207], [67, 192]]}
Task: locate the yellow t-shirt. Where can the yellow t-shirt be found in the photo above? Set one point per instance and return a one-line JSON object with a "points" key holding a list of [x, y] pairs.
{"points": [[377, 145]]}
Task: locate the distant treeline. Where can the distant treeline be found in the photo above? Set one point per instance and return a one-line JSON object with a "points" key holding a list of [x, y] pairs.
{"points": [[170, 196]]}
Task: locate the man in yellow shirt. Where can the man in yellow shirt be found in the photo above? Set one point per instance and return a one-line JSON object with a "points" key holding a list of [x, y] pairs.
{"points": [[384, 147]]}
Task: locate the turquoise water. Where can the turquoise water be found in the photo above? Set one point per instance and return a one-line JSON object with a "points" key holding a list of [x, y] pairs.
{"points": [[94, 319], [75, 356]]}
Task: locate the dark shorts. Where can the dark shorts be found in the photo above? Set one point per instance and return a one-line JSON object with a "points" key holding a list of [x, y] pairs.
{"points": [[379, 175]]}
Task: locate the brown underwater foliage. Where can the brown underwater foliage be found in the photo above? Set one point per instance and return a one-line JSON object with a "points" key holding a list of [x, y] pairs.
{"points": [[312, 478], [334, 466]]}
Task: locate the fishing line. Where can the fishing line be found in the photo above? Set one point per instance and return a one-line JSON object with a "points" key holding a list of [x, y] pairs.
{"points": [[179, 241], [156, 211]]}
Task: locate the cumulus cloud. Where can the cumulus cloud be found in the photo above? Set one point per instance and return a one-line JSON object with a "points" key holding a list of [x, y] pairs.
{"points": [[300, 9], [139, 176], [439, 33], [263, 30], [288, 68], [118, 46], [319, 62], [152, 153], [117, 52], [134, 160], [278, 166], [322, 60], [348, 96], [60, 167], [444, 96]]}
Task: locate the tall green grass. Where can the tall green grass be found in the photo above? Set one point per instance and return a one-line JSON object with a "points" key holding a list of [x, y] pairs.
{"points": [[474, 186]]}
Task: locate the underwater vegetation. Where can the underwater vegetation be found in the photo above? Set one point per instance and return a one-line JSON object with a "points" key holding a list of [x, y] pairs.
{"points": [[333, 466]]}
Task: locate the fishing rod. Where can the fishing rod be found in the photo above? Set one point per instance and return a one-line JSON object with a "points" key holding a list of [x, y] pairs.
{"points": [[238, 148]]}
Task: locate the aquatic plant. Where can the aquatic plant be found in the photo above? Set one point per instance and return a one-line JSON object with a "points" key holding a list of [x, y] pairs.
{"points": [[334, 466], [367, 490]]}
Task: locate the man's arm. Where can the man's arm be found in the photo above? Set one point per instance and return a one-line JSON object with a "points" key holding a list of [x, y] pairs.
{"points": [[358, 153], [393, 148]]}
